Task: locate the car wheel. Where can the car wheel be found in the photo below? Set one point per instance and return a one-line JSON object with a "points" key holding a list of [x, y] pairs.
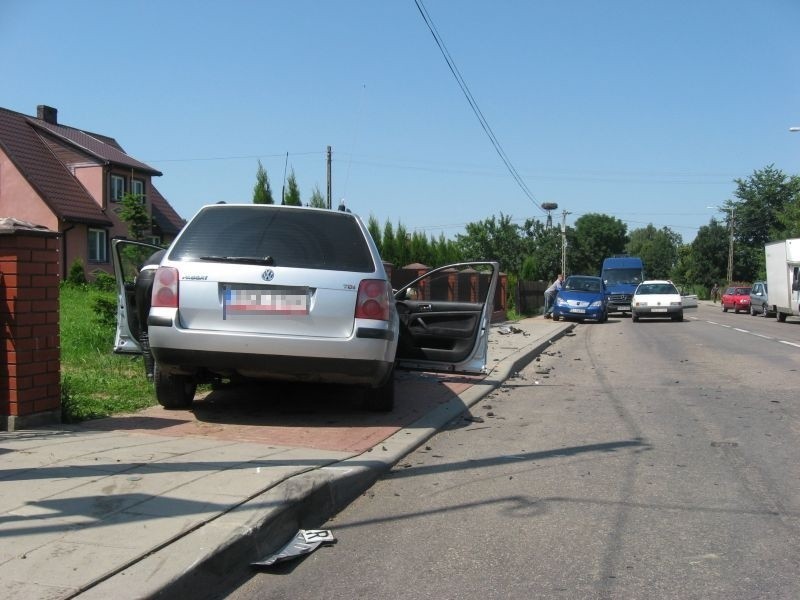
{"points": [[634, 318], [381, 398], [764, 311], [724, 308], [174, 391], [753, 311], [556, 317]]}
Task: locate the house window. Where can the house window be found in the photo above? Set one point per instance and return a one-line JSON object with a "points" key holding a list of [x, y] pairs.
{"points": [[154, 239], [137, 189], [98, 246], [117, 188]]}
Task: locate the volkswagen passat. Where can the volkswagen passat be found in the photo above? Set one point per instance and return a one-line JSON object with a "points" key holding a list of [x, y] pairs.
{"points": [[251, 291], [657, 298]]}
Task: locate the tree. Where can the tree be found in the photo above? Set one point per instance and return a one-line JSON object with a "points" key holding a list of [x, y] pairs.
{"points": [[262, 192], [762, 196], [133, 211], [374, 229], [595, 237], [706, 261], [658, 248], [317, 201], [542, 252], [292, 196], [493, 239], [388, 252]]}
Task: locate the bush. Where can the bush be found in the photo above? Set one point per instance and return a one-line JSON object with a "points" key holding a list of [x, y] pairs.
{"points": [[103, 281], [77, 276], [105, 310]]}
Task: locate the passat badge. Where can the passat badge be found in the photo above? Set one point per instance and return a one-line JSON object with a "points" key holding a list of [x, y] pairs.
{"points": [[268, 275]]}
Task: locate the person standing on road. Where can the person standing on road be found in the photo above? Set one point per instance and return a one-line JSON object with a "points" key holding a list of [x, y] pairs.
{"points": [[550, 296], [715, 293]]}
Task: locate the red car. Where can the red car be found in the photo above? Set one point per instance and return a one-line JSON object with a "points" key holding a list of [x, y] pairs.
{"points": [[736, 298]]}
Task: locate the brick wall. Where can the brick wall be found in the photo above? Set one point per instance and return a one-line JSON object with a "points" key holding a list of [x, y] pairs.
{"points": [[30, 384]]}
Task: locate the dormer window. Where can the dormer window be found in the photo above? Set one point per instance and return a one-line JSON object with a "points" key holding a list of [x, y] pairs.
{"points": [[137, 189], [117, 190]]}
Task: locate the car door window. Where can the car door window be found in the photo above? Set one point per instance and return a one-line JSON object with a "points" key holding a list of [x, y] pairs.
{"points": [[445, 316]]}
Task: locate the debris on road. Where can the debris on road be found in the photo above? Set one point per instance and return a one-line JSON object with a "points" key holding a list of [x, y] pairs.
{"points": [[305, 542], [508, 329]]}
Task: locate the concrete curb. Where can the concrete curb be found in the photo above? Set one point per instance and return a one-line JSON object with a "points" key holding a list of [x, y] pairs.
{"points": [[260, 526]]}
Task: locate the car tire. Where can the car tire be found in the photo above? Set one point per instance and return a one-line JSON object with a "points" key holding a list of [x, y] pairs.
{"points": [[556, 317], [724, 308], [753, 311], [764, 311], [381, 398], [174, 392], [781, 317], [634, 318]]}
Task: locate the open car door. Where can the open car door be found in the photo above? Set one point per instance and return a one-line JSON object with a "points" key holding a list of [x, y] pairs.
{"points": [[445, 317], [128, 258]]}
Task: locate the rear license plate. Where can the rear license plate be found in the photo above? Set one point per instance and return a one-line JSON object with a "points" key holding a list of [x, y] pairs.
{"points": [[240, 301], [659, 310], [580, 311], [623, 307]]}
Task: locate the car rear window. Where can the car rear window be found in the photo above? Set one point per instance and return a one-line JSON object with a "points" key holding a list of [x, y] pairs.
{"points": [[292, 238]]}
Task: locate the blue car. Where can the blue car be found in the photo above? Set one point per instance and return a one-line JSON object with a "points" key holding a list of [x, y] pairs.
{"points": [[582, 297]]}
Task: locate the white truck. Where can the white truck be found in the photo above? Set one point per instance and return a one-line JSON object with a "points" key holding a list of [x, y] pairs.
{"points": [[783, 277]]}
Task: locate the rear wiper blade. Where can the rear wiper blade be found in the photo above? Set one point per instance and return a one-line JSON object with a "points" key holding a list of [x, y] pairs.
{"points": [[250, 260]]}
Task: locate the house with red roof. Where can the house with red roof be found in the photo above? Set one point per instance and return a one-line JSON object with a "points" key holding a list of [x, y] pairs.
{"points": [[72, 181]]}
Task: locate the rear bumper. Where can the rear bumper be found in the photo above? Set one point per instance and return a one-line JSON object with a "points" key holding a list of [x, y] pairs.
{"points": [[275, 367], [366, 357]]}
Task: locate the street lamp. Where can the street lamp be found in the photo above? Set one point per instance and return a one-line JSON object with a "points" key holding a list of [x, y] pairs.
{"points": [[564, 242], [732, 210]]}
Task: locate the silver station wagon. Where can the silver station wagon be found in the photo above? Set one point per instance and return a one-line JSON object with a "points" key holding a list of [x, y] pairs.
{"points": [[271, 292]]}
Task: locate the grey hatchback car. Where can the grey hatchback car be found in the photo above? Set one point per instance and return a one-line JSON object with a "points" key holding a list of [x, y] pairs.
{"points": [[759, 300], [271, 292]]}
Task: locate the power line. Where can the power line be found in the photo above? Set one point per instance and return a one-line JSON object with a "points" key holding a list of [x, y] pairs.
{"points": [[473, 104]]}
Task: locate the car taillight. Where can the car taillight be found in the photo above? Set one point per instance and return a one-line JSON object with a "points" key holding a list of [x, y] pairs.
{"points": [[165, 288], [374, 299]]}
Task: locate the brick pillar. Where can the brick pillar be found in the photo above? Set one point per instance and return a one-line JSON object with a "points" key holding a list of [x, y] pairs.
{"points": [[30, 382]]}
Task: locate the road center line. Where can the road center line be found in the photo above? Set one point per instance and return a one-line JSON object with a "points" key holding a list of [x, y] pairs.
{"points": [[742, 330], [789, 343]]}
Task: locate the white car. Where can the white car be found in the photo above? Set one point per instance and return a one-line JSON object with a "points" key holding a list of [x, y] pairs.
{"points": [[657, 298], [249, 291]]}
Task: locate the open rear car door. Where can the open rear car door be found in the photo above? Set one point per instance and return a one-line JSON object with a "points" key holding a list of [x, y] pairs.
{"points": [[445, 317]]}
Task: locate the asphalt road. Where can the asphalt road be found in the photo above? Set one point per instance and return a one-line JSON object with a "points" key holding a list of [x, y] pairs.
{"points": [[652, 460]]}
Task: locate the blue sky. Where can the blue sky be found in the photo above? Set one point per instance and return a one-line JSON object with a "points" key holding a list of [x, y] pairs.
{"points": [[646, 111]]}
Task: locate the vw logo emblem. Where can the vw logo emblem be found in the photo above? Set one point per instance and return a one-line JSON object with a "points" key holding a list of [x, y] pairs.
{"points": [[268, 275]]}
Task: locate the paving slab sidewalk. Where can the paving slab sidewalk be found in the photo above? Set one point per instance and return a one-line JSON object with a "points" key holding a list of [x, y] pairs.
{"points": [[171, 503]]}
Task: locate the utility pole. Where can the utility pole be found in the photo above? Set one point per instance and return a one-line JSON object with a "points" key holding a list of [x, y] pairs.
{"points": [[732, 213], [329, 177], [564, 242]]}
